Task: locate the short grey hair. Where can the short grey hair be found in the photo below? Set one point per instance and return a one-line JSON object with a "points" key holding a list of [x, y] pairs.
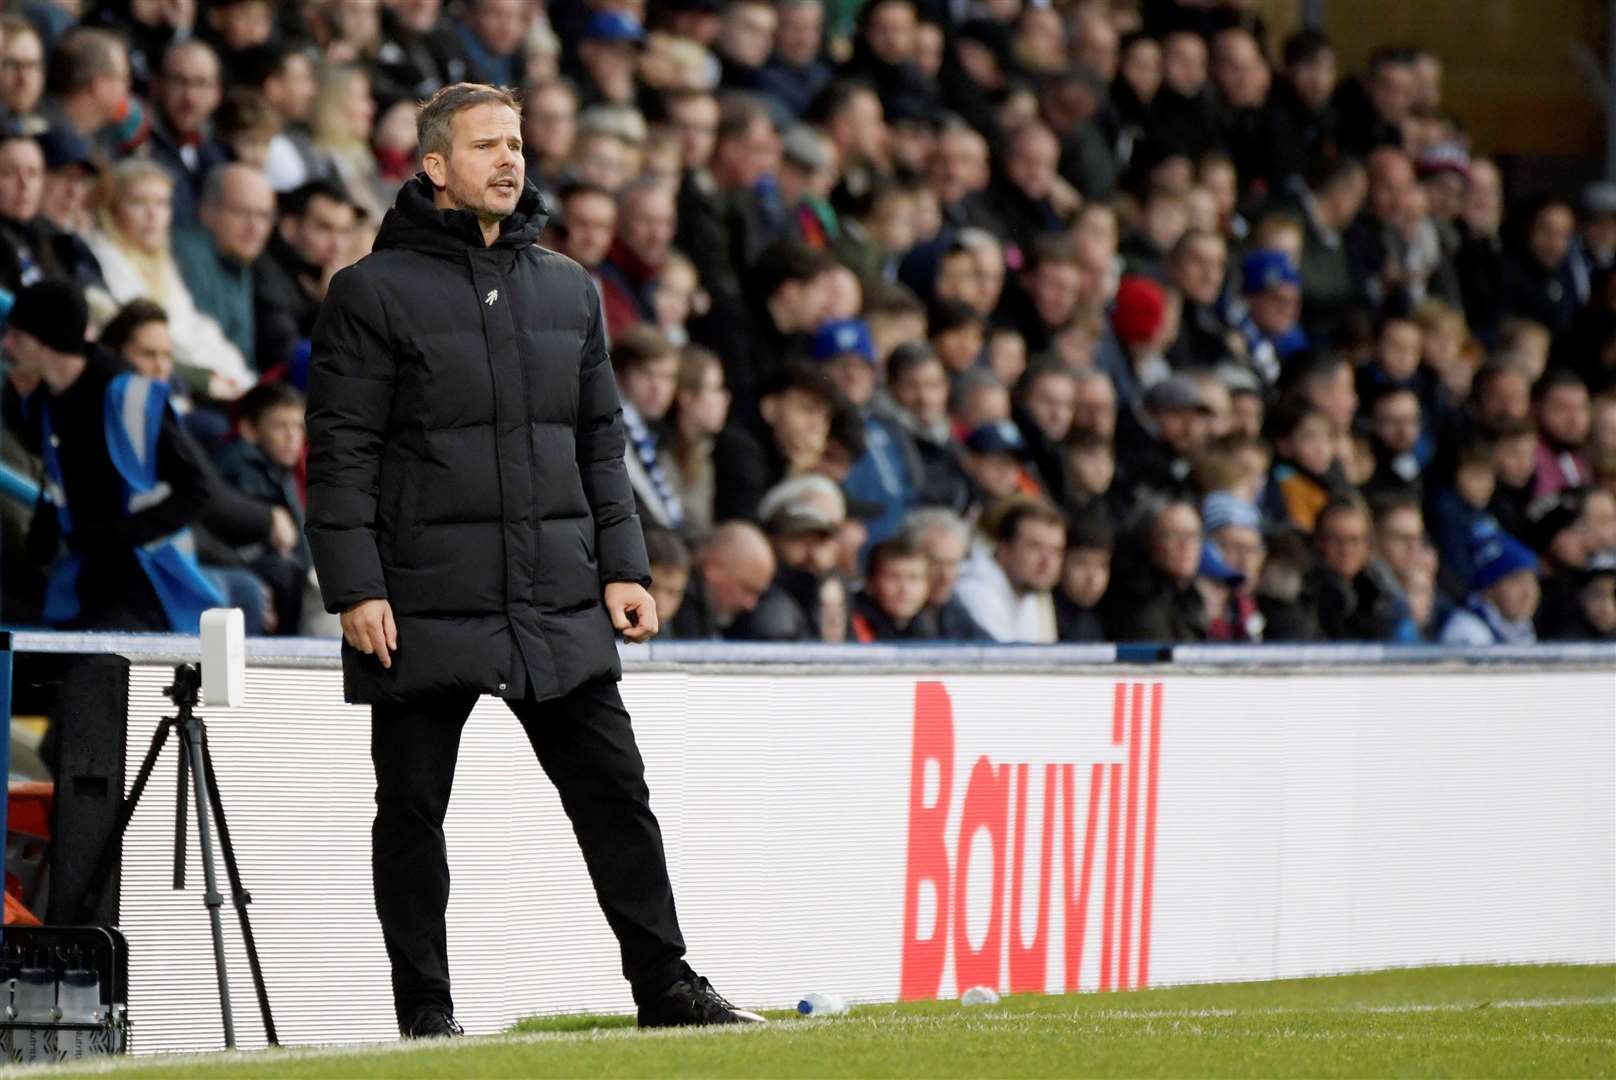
{"points": [[434, 121], [930, 519]]}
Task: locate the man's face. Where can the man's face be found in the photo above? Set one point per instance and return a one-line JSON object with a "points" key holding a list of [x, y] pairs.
{"points": [[1052, 401], [241, 220], [241, 26], [801, 28], [854, 376], [1185, 430], [650, 386], [1397, 422], [610, 66], [1336, 397], [500, 24], [1400, 540], [1175, 543], [1516, 460], [803, 305], [1276, 310], [922, 391], [295, 88], [945, 550], [67, 196], [1031, 163], [1243, 549], [1399, 351], [1315, 79], [188, 91], [996, 474], [1564, 415], [279, 434], [1032, 558], [735, 587], [1091, 470], [484, 170], [648, 224], [696, 117], [891, 33], [22, 179], [1504, 397], [747, 158], [1085, 575], [900, 587], [111, 88], [815, 552], [959, 279], [746, 33], [1184, 63], [1343, 539], [1241, 73], [591, 218], [324, 232], [1094, 408], [550, 123], [800, 421], [1199, 270], [959, 165], [22, 73], [1391, 91], [1055, 288], [150, 351]]}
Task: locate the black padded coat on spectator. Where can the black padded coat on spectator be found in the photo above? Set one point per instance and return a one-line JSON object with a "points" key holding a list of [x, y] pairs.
{"points": [[466, 458]]}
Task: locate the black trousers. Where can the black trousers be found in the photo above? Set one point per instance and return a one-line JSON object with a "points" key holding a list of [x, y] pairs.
{"points": [[585, 744]]}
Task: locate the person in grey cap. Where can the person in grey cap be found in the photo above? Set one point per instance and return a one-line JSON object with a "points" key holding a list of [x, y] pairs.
{"points": [[1157, 444]]}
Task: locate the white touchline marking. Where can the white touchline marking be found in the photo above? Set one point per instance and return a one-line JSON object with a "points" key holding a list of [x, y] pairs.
{"points": [[980, 1017]]}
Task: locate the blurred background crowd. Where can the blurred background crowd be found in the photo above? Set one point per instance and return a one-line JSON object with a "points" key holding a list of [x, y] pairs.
{"points": [[1106, 320]]}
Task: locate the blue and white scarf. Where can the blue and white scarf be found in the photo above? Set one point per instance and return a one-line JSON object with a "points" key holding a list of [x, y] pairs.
{"points": [[645, 448]]}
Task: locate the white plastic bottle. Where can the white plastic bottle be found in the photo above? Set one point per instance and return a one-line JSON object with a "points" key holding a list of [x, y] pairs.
{"points": [[35, 999], [980, 995], [817, 1004], [79, 998]]}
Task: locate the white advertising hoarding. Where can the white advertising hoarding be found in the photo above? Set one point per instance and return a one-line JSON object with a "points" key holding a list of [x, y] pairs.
{"points": [[891, 836]]}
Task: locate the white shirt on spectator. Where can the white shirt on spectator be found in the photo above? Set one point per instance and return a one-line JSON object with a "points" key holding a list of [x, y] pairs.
{"points": [[986, 592], [198, 341]]}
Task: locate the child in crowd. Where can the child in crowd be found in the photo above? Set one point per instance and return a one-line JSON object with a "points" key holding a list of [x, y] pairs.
{"points": [[1085, 575], [1455, 510], [262, 464], [1504, 593], [892, 604], [1303, 476], [957, 335]]}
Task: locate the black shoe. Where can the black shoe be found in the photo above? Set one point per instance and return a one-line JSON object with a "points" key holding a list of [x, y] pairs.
{"points": [[432, 1023], [693, 1001]]}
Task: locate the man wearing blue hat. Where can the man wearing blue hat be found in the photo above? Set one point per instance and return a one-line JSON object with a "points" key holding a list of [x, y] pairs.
{"points": [[1271, 326], [889, 472], [608, 52], [1504, 593], [993, 460]]}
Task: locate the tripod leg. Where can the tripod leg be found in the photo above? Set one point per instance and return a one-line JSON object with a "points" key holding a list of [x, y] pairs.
{"points": [[109, 850], [190, 737], [238, 892], [182, 802]]}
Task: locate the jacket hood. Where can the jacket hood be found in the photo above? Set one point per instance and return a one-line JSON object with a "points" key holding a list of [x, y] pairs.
{"points": [[415, 224]]}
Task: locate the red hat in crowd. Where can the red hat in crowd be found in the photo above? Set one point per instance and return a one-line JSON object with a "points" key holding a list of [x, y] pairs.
{"points": [[1140, 308]]}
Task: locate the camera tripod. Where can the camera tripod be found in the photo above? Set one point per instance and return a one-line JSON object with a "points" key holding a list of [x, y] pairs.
{"points": [[197, 760]]}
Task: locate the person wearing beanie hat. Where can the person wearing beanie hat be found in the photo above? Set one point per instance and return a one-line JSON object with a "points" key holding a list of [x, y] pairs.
{"points": [[1271, 325], [110, 440], [1504, 593], [1144, 321]]}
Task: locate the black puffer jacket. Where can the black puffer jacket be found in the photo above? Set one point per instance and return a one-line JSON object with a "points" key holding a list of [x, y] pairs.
{"points": [[466, 458]]}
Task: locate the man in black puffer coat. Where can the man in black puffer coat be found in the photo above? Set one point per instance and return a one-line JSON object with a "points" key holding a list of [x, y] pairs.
{"points": [[472, 523]]}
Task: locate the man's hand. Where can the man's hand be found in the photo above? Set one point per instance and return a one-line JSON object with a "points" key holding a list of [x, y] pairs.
{"points": [[632, 610], [368, 626], [282, 530]]}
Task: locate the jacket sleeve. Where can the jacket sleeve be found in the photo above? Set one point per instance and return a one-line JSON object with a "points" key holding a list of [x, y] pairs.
{"points": [[619, 543], [350, 397], [182, 465]]}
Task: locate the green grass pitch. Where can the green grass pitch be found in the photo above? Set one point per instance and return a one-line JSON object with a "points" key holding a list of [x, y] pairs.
{"points": [[1460, 1021]]}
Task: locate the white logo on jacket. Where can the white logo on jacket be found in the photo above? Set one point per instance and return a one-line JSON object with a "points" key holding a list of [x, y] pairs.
{"points": [[493, 294]]}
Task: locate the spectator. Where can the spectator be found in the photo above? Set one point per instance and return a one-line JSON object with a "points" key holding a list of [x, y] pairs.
{"points": [[670, 571], [918, 388], [245, 125], [22, 73], [1593, 617], [344, 122], [1457, 508], [1085, 575], [88, 84], [1560, 402], [188, 92], [1045, 402], [1358, 597], [888, 475], [1305, 474], [1234, 530], [795, 409], [1538, 275], [701, 405], [1094, 410], [262, 464], [118, 561], [492, 36], [789, 300], [1091, 469], [549, 127], [1153, 596], [285, 77], [1504, 595], [132, 245], [945, 538], [993, 457], [70, 176], [802, 517], [588, 222], [1395, 438], [647, 371], [237, 216], [1272, 330], [892, 604], [795, 73], [1006, 584], [732, 569], [311, 242], [644, 240], [1160, 445], [1328, 201], [607, 52], [1142, 326], [1196, 267]]}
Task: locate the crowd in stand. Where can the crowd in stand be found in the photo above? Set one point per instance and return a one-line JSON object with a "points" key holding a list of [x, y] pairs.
{"points": [[931, 319]]}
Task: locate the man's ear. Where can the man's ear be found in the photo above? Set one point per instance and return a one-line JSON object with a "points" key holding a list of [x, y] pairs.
{"points": [[436, 167]]}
